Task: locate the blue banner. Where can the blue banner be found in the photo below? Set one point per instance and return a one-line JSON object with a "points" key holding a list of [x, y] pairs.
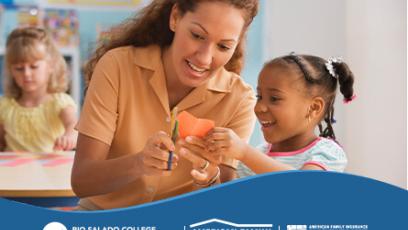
{"points": [[279, 201]]}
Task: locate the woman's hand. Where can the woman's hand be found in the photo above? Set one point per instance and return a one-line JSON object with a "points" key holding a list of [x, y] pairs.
{"points": [[67, 141], [155, 155], [224, 142], [200, 148], [204, 172]]}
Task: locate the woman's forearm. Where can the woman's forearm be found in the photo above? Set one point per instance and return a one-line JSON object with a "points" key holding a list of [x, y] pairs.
{"points": [[95, 177]]}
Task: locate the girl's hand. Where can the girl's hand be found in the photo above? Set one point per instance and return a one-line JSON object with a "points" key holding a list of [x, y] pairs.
{"points": [[199, 147], [155, 155], [204, 173], [224, 142], [66, 142]]}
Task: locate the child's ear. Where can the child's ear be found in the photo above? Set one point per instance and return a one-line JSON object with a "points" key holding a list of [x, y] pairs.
{"points": [[316, 108], [174, 17]]}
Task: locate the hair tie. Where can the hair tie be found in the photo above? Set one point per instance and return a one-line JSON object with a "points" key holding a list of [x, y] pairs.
{"points": [[348, 100], [329, 65]]}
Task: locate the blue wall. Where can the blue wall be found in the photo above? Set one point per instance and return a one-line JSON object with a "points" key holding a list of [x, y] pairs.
{"points": [[88, 24], [254, 62]]}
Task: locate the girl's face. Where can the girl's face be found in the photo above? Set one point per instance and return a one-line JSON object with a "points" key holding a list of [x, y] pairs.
{"points": [[204, 40], [283, 107], [31, 76]]}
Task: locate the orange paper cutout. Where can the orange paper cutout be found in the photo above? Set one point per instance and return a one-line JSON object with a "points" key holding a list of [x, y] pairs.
{"points": [[192, 126]]}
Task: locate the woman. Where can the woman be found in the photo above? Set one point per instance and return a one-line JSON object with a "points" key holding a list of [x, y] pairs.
{"points": [[183, 53]]}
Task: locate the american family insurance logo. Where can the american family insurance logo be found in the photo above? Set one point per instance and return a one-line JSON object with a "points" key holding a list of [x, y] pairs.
{"points": [[217, 224]]}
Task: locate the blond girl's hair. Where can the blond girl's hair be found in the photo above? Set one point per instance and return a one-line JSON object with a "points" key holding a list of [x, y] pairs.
{"points": [[24, 45]]}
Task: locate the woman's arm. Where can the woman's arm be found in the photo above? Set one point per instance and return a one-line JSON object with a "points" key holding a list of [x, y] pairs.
{"points": [[197, 146], [227, 173], [94, 174], [204, 172]]}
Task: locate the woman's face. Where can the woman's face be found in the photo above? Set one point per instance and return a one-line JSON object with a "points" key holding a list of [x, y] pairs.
{"points": [[204, 40]]}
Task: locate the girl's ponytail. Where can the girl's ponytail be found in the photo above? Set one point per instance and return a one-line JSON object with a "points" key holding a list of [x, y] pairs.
{"points": [[346, 80]]}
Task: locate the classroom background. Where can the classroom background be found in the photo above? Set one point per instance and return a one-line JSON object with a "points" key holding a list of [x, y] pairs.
{"points": [[370, 35]]}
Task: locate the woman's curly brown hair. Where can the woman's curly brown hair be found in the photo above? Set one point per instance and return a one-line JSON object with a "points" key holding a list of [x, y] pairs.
{"points": [[151, 26]]}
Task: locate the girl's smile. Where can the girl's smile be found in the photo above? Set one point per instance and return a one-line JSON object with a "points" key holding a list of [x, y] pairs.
{"points": [[282, 108], [267, 124]]}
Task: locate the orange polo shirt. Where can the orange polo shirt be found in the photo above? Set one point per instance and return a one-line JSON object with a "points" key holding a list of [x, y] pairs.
{"points": [[127, 102]]}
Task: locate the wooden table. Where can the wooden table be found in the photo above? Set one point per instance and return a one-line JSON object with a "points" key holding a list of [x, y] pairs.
{"points": [[42, 179]]}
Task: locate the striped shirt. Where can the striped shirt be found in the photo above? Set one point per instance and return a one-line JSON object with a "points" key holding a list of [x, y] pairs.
{"points": [[322, 152]]}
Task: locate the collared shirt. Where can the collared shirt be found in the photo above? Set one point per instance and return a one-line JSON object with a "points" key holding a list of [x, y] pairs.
{"points": [[127, 102]]}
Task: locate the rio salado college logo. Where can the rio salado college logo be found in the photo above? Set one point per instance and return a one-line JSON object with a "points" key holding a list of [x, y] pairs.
{"points": [[54, 226]]}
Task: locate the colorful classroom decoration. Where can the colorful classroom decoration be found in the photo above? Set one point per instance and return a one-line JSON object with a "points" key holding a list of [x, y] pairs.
{"points": [[28, 16], [63, 24]]}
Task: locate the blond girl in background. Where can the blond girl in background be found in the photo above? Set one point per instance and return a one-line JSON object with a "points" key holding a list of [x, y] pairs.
{"points": [[36, 114]]}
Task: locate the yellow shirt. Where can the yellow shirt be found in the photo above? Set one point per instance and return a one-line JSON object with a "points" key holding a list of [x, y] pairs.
{"points": [[127, 102], [33, 129]]}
